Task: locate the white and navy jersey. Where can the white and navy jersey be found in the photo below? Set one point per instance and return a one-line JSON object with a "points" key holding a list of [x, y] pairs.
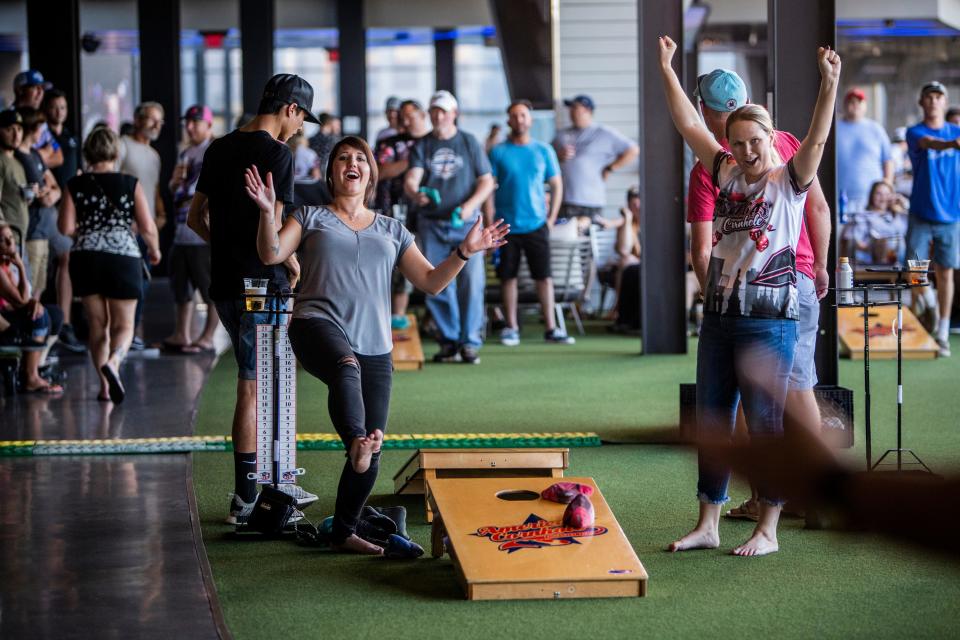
{"points": [[756, 227]]}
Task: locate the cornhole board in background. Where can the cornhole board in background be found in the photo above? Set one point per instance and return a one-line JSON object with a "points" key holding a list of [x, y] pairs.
{"points": [[430, 464], [519, 549], [407, 349], [917, 343]]}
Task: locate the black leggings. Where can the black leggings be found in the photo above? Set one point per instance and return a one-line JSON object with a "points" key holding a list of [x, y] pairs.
{"points": [[358, 400]]}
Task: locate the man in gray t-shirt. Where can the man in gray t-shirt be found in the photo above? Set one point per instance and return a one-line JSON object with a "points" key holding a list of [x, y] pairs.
{"points": [[449, 178], [588, 152]]}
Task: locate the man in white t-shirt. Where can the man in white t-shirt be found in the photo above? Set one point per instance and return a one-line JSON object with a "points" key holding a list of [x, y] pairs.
{"points": [[139, 159]]}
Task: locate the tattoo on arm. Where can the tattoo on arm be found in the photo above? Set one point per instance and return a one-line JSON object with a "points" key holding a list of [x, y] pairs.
{"points": [[276, 243]]}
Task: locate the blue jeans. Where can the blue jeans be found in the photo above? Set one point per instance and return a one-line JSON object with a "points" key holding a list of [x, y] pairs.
{"points": [[241, 326], [738, 357], [458, 309]]}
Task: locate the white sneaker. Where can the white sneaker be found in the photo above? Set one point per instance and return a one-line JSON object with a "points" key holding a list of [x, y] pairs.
{"points": [[509, 337], [239, 510], [944, 344], [303, 497]]}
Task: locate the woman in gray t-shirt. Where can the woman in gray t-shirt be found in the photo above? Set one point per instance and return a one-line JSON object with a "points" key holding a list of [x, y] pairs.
{"points": [[340, 330]]}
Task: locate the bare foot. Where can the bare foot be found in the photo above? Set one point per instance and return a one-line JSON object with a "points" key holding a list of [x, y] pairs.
{"points": [[696, 539], [377, 437], [759, 544], [354, 544], [361, 451]]}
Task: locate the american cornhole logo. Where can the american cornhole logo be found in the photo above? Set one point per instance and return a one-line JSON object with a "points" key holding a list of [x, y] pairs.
{"points": [[536, 533]]}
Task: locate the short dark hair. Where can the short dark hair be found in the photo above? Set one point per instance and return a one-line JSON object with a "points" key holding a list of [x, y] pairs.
{"points": [[521, 102], [411, 103], [32, 118], [326, 118], [952, 111], [52, 95], [355, 142], [102, 145]]}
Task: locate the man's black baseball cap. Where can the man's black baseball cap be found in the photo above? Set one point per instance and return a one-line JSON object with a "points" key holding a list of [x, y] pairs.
{"points": [[286, 88]]}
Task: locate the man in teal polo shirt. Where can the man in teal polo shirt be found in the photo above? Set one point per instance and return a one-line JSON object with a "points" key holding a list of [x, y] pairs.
{"points": [[521, 166]]}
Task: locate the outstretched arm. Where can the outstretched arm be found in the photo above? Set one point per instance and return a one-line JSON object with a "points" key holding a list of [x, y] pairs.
{"points": [[684, 114], [807, 159], [273, 245]]}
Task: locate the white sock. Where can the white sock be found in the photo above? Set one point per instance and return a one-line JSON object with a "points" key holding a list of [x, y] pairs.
{"points": [[943, 329]]}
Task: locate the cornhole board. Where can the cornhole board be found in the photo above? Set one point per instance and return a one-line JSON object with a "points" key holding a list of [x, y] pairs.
{"points": [[431, 464], [917, 343], [407, 349], [520, 550]]}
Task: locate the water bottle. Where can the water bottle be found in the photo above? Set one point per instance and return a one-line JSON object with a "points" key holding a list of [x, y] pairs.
{"points": [[844, 282]]}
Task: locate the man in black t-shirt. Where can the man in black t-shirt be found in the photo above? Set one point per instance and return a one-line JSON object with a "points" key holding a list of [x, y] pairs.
{"points": [[223, 215], [55, 108]]}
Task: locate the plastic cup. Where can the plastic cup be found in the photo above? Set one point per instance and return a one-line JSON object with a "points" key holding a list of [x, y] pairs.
{"points": [[256, 293], [918, 271]]}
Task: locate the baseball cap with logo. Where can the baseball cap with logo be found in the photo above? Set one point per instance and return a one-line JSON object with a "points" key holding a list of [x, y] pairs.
{"points": [[30, 78], [393, 104], [10, 117], [443, 100], [721, 90], [287, 88], [933, 87], [199, 112], [583, 100]]}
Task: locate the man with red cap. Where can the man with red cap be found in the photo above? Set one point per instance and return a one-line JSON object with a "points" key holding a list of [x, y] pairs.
{"points": [[863, 153]]}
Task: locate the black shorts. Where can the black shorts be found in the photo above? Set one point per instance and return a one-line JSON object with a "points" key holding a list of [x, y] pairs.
{"points": [[189, 270], [106, 274], [535, 245]]}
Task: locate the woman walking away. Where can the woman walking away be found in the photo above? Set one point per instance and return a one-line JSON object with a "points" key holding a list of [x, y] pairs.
{"points": [[340, 331], [749, 332], [99, 209]]}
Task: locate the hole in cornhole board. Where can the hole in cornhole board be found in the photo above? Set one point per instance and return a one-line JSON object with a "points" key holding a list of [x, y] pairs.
{"points": [[518, 495]]}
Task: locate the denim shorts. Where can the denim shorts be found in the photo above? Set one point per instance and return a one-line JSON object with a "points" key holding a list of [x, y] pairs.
{"points": [[945, 237], [803, 376], [242, 328]]}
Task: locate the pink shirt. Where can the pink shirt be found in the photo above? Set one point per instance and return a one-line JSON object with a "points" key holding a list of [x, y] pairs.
{"points": [[702, 197]]}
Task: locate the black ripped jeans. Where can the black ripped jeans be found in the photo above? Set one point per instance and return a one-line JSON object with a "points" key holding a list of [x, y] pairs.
{"points": [[358, 400]]}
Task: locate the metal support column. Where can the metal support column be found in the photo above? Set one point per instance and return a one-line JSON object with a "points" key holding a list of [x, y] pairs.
{"points": [[257, 25], [159, 25], [53, 35], [663, 319], [353, 67], [444, 46], [795, 30]]}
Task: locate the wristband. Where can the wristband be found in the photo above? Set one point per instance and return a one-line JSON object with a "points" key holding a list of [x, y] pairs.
{"points": [[460, 254]]}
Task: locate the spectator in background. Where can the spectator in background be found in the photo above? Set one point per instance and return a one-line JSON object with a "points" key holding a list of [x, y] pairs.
{"points": [[877, 235], [451, 165], [392, 112], [28, 89], [863, 152], [98, 210], [521, 166], [43, 215], [899, 154], [935, 199], [953, 115], [139, 159], [190, 254], [306, 162], [624, 266], [324, 139], [588, 153], [23, 320], [15, 193], [393, 160], [56, 109]]}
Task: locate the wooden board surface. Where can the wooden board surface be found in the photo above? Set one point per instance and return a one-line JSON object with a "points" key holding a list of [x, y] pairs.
{"points": [[917, 343], [407, 349], [520, 550]]}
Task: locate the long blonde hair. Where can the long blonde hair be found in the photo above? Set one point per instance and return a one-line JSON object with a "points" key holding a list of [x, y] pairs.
{"points": [[761, 117]]}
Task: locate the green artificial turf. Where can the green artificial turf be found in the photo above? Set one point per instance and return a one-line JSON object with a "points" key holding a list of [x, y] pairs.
{"points": [[820, 584]]}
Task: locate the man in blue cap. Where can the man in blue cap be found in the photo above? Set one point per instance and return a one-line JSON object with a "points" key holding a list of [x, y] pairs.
{"points": [[721, 92], [223, 215], [28, 89], [588, 153]]}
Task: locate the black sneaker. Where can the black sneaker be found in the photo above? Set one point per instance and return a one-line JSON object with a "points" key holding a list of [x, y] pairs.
{"points": [[469, 355], [448, 353], [68, 340], [555, 336]]}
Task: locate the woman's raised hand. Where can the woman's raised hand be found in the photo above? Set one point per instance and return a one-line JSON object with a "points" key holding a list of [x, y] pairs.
{"points": [[667, 48], [262, 194], [484, 238], [829, 62]]}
